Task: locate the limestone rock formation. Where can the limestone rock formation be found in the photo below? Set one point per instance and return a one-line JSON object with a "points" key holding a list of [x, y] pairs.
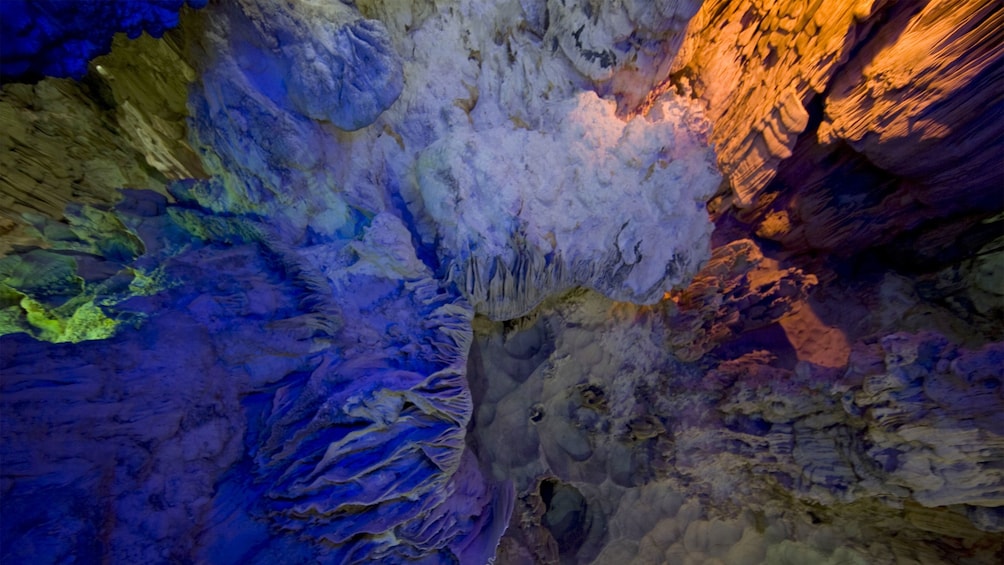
{"points": [[80, 142], [668, 461], [480, 183], [517, 224], [624, 48], [757, 67], [321, 60], [429, 282], [289, 379], [856, 107], [58, 118], [944, 48], [737, 291], [258, 126]]}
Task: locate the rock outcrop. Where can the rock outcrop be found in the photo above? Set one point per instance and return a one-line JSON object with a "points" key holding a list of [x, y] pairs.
{"points": [[737, 291], [741, 457], [123, 127], [290, 382], [869, 122]]}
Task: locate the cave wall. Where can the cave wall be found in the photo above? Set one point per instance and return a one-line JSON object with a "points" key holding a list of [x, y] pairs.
{"points": [[874, 76], [121, 126], [875, 137], [844, 322], [390, 349]]}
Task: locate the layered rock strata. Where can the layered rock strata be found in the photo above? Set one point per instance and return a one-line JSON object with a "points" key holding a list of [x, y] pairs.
{"points": [[122, 127], [871, 124]]}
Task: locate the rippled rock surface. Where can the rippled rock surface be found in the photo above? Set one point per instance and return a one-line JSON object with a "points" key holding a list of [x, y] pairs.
{"points": [[335, 425]]}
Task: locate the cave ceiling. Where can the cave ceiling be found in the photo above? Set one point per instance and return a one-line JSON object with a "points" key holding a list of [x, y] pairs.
{"points": [[516, 282]]}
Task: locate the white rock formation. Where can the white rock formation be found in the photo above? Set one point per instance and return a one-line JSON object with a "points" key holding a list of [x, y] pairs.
{"points": [[498, 154], [615, 206], [277, 83]]}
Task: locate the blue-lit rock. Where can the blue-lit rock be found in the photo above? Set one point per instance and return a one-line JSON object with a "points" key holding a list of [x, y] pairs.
{"points": [[368, 440], [273, 80], [327, 384], [57, 38], [320, 59], [115, 450]]}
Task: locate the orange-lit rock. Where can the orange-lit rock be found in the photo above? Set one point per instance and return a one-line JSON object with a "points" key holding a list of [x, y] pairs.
{"points": [[814, 340], [739, 290], [921, 99], [909, 85], [758, 66]]}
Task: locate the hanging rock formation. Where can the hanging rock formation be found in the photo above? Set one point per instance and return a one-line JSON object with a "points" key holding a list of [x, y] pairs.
{"points": [[460, 282], [517, 225]]}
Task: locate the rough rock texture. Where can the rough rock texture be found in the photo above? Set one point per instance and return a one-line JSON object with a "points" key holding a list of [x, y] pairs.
{"points": [[122, 127], [151, 107], [624, 48], [953, 53], [872, 123], [262, 132], [467, 154], [824, 376], [361, 433], [757, 66], [329, 414], [277, 363], [321, 60], [923, 384], [868, 65], [142, 489], [516, 225], [737, 291], [56, 149], [740, 457]]}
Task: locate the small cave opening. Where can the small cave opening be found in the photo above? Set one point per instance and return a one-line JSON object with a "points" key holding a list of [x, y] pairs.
{"points": [[566, 517]]}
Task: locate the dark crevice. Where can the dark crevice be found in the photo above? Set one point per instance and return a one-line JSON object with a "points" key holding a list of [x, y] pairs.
{"points": [[566, 516]]}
